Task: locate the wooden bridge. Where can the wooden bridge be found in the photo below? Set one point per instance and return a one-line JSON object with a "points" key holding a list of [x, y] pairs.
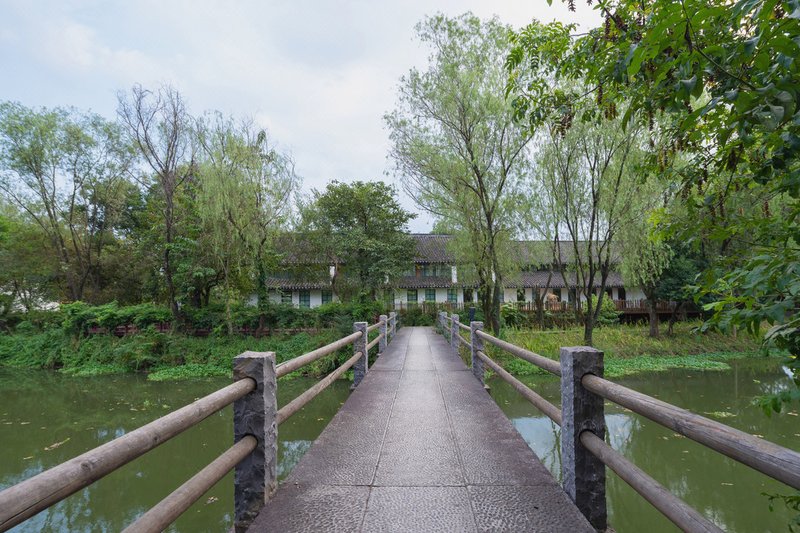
{"points": [[418, 446]]}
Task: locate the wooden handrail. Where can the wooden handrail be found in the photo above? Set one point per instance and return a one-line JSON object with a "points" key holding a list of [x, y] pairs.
{"points": [[373, 327], [295, 405], [551, 411], [678, 511], [374, 342], [534, 358], [768, 458], [160, 516], [27, 498], [291, 365]]}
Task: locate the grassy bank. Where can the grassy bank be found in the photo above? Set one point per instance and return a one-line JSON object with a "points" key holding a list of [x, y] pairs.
{"points": [[629, 350], [162, 355]]}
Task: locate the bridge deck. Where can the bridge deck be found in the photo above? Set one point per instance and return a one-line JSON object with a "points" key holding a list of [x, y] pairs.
{"points": [[420, 446]]}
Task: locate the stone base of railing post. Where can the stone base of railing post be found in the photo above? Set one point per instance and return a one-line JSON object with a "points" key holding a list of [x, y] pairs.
{"points": [[383, 332], [360, 345], [477, 346], [256, 476], [583, 474], [454, 333]]}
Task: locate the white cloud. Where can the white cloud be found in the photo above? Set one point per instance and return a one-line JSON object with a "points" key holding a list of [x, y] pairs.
{"points": [[318, 75]]}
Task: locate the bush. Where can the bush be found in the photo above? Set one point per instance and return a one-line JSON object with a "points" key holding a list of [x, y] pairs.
{"points": [[512, 317], [417, 316], [608, 311]]}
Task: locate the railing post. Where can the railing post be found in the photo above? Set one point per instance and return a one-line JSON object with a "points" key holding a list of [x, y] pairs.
{"points": [[441, 321], [393, 325], [360, 345], [255, 477], [477, 346], [454, 333], [583, 474], [382, 331]]}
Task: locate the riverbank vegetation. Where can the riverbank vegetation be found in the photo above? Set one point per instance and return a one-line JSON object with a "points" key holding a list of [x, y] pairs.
{"points": [[629, 349]]}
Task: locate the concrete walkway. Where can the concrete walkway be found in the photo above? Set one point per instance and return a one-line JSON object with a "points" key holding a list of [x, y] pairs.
{"points": [[420, 446]]}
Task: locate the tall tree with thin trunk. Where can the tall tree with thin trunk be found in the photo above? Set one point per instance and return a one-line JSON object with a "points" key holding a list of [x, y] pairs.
{"points": [[455, 144], [158, 125], [592, 174]]}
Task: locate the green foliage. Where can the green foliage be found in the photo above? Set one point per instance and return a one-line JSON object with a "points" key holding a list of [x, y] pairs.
{"points": [[717, 85], [362, 227], [418, 316], [78, 317], [608, 311], [512, 316], [457, 148]]}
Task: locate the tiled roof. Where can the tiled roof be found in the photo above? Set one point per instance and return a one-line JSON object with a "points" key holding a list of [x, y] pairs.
{"points": [[294, 284], [539, 279], [523, 280], [432, 248]]}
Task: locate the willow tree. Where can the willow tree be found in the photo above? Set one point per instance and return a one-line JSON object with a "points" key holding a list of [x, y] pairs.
{"points": [[456, 146], [243, 199], [591, 170]]}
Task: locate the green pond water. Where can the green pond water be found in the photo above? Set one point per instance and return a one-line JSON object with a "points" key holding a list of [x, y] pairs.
{"points": [[47, 418], [724, 490]]}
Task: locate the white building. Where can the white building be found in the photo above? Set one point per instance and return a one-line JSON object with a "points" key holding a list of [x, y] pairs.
{"points": [[435, 278]]}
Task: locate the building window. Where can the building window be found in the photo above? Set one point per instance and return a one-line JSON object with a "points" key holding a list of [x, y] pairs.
{"points": [[608, 293], [286, 297], [430, 295], [572, 295], [411, 296], [467, 295], [621, 294], [327, 297], [520, 295], [305, 298], [452, 295]]}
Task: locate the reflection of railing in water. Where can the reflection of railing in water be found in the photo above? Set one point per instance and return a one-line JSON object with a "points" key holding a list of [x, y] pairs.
{"points": [[584, 452], [254, 454]]}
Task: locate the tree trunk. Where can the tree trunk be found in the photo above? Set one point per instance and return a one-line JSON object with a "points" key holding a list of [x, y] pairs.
{"points": [[494, 319], [588, 329], [651, 310], [262, 298]]}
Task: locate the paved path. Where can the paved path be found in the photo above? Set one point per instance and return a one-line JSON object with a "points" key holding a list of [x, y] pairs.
{"points": [[420, 446]]}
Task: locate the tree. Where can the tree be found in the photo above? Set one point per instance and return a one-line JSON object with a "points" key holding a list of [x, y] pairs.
{"points": [[456, 146], [66, 170], [27, 269], [158, 124], [726, 78], [363, 227], [645, 258], [245, 186], [590, 169]]}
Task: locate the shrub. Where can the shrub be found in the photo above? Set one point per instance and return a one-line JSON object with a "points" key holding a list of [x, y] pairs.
{"points": [[608, 311], [512, 316]]}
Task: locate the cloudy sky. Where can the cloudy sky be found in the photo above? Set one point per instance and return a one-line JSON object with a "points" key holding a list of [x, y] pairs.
{"points": [[318, 74]]}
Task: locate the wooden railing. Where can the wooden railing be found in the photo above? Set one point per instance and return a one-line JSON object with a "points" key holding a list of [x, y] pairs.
{"points": [[254, 455], [584, 452], [623, 306]]}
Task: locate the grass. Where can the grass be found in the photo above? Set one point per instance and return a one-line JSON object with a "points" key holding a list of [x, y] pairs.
{"points": [[162, 356], [629, 350]]}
